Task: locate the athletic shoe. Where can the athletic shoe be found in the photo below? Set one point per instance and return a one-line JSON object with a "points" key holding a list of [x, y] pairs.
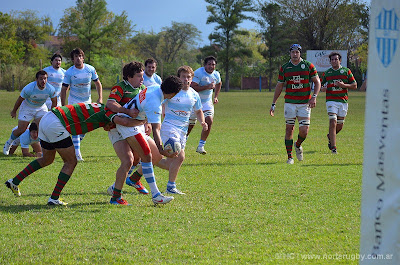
{"points": [[138, 185], [299, 152], [329, 142], [6, 148], [110, 190], [14, 188], [79, 157], [200, 150], [56, 202], [120, 201], [334, 151], [161, 199], [174, 191], [290, 161]]}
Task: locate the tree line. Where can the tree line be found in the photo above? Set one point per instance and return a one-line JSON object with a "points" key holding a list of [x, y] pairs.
{"points": [[110, 40]]}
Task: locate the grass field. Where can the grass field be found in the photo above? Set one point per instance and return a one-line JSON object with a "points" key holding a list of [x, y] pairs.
{"points": [[244, 204]]}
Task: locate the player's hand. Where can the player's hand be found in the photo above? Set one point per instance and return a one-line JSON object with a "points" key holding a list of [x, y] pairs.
{"points": [[133, 113], [216, 100], [13, 114], [108, 126], [272, 110], [167, 154], [312, 102], [212, 85], [205, 126], [147, 129], [338, 83]]}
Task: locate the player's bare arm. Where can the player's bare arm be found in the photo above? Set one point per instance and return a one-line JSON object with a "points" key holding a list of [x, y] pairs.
{"points": [[99, 88], [317, 87], [201, 119], [63, 93], [217, 90], [339, 83], [16, 107], [117, 108], [199, 88], [278, 91]]}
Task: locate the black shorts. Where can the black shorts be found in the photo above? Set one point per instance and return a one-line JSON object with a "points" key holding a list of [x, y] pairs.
{"points": [[65, 143]]}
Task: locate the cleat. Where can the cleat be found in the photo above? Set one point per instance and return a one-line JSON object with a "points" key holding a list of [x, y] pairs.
{"points": [[110, 190], [79, 157], [138, 185], [334, 151], [299, 153], [174, 191], [329, 142], [14, 188], [56, 202], [200, 150], [290, 161], [161, 199], [6, 148], [120, 201]]}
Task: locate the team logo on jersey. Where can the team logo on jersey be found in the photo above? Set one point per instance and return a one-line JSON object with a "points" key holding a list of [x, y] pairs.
{"points": [[142, 95], [387, 29], [341, 71], [114, 91], [303, 66]]}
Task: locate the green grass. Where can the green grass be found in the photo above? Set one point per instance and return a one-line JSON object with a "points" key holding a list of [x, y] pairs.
{"points": [[244, 204]]}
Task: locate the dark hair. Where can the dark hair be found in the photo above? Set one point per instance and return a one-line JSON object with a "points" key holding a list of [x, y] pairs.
{"points": [[172, 84], [131, 69], [55, 56], [210, 58], [295, 47], [186, 69], [333, 54], [33, 127], [149, 61], [76, 51], [41, 72]]}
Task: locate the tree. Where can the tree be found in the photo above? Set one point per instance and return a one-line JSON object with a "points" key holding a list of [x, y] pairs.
{"points": [[228, 14], [12, 50], [94, 29], [274, 35]]}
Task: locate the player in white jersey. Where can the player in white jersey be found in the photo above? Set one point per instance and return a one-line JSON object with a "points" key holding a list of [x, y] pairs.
{"points": [[150, 78], [78, 79], [55, 77], [31, 105], [176, 122], [148, 102], [29, 137], [206, 80]]}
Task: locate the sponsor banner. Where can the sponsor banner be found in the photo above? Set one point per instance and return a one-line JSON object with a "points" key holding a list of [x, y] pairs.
{"points": [[320, 58], [380, 206]]}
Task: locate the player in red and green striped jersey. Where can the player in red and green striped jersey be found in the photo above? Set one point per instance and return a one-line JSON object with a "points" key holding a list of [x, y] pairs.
{"points": [[55, 130], [337, 80], [296, 76]]}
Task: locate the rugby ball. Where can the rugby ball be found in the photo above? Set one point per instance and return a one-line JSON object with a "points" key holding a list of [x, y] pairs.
{"points": [[172, 146], [110, 190]]}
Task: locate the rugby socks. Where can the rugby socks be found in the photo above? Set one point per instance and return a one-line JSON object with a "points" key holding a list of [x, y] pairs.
{"points": [[202, 143], [289, 147], [171, 185], [81, 136], [300, 140], [62, 180], [76, 140], [29, 169], [116, 194], [148, 173], [135, 177]]}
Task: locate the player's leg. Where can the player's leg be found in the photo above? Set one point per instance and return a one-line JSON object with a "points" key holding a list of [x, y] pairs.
{"points": [[192, 122], [13, 148], [290, 120], [208, 110], [22, 126], [303, 113], [66, 150], [175, 165]]}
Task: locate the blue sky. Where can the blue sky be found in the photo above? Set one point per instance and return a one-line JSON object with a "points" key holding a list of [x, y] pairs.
{"points": [[146, 17]]}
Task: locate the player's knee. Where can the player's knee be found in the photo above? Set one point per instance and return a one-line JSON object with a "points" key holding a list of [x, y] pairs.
{"points": [[341, 121], [303, 123], [332, 116], [290, 121]]}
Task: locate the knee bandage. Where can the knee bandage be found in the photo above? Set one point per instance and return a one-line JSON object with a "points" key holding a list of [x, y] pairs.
{"points": [[290, 121], [332, 116], [304, 123], [340, 121]]}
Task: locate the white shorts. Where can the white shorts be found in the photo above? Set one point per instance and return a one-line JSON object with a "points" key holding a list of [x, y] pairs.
{"points": [[48, 102], [28, 112], [169, 131], [208, 111], [339, 108], [114, 136], [51, 129], [126, 132], [297, 110]]}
